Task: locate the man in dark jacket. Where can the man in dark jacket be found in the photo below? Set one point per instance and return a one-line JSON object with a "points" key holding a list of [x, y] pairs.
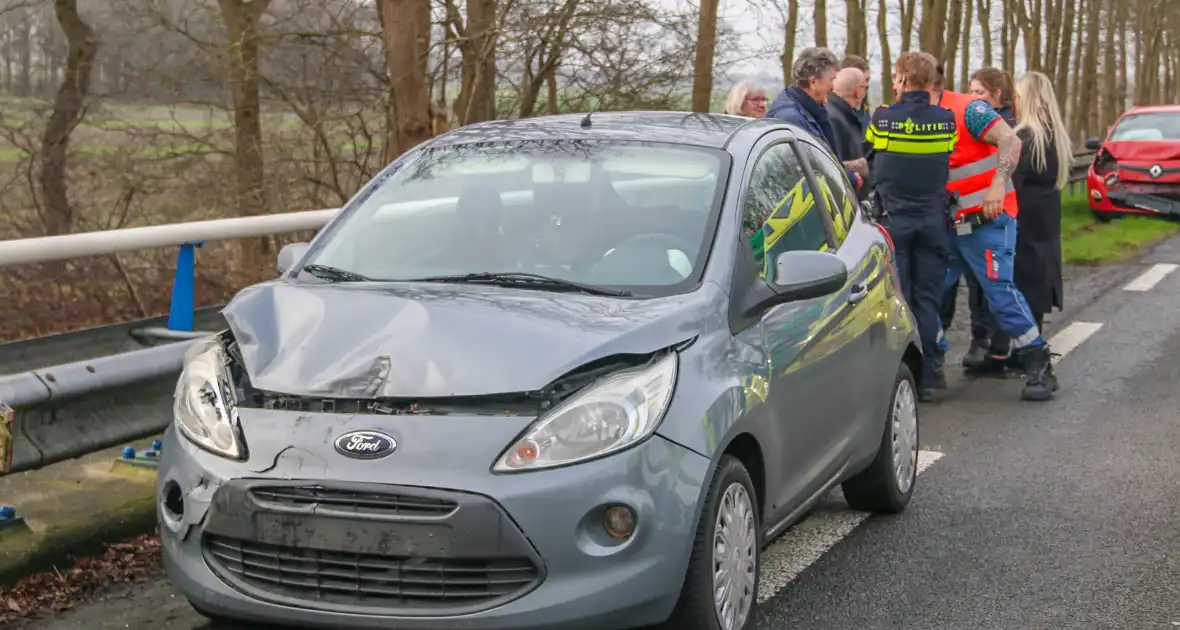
{"points": [[858, 62], [848, 93], [801, 104]]}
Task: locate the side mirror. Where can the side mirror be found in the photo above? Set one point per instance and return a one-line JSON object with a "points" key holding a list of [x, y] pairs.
{"points": [[803, 275], [1093, 144], [290, 254]]}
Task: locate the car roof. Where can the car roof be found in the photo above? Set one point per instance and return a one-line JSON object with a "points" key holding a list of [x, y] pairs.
{"points": [[686, 128], [1153, 109]]}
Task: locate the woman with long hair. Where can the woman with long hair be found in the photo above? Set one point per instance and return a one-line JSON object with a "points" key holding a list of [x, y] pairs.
{"points": [[1045, 157], [995, 86]]}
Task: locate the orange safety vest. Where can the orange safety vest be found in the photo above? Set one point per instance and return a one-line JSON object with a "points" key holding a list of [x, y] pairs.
{"points": [[973, 163]]}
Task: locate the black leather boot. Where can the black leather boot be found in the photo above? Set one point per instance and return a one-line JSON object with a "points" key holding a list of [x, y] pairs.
{"points": [[1040, 382]]}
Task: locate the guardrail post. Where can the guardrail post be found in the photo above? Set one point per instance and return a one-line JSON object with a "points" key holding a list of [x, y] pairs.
{"points": [[180, 314]]}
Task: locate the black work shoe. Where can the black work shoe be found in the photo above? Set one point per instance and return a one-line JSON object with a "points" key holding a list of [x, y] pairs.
{"points": [[1053, 376], [938, 375], [925, 395], [992, 365], [1039, 384], [976, 354]]}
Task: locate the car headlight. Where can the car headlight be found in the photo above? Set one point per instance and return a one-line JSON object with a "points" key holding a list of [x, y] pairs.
{"points": [[621, 410], [203, 405]]}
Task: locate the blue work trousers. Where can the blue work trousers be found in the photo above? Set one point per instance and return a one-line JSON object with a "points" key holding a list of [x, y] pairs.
{"points": [[983, 325], [922, 254], [989, 254]]}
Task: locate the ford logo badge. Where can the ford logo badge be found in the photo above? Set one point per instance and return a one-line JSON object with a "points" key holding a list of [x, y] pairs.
{"points": [[365, 445]]}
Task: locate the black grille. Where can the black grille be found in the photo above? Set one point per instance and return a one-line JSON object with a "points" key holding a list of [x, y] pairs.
{"points": [[353, 502], [368, 581]]}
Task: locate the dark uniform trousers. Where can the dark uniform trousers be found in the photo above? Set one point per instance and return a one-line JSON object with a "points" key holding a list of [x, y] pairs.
{"points": [[912, 143]]}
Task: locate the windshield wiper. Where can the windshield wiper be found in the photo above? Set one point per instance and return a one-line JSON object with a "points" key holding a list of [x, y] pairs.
{"points": [[333, 274], [527, 279]]}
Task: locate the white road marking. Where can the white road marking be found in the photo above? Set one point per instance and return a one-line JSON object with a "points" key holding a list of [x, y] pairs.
{"points": [[1151, 277], [1072, 336], [804, 543]]}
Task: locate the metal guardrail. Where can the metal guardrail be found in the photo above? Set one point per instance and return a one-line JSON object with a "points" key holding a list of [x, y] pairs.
{"points": [[51, 414]]}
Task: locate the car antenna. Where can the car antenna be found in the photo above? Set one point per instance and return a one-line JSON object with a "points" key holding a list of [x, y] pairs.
{"points": [[586, 121]]}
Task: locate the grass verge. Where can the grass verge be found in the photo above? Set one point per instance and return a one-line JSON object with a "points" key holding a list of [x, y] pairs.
{"points": [[1086, 241]]}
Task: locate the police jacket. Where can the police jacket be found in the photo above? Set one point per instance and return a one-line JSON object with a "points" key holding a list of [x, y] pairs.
{"points": [[912, 144]]}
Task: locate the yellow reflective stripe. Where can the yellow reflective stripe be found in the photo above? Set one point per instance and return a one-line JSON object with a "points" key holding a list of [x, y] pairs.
{"points": [[893, 135], [920, 148], [872, 134]]}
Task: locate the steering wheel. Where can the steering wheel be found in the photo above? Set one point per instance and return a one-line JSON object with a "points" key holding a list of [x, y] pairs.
{"points": [[646, 253]]}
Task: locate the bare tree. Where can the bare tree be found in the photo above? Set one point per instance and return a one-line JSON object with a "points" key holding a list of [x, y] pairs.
{"points": [[68, 109], [407, 47]]}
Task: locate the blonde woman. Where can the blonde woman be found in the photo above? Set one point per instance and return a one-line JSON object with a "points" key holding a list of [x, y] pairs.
{"points": [[1042, 173], [747, 98]]}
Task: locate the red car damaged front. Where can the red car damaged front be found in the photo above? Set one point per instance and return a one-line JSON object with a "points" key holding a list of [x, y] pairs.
{"points": [[1137, 169]]}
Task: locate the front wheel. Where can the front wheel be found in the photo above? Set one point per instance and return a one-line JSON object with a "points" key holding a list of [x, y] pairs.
{"points": [[720, 590], [885, 487]]}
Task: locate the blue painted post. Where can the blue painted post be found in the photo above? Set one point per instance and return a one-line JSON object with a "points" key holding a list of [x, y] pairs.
{"points": [[180, 315]]}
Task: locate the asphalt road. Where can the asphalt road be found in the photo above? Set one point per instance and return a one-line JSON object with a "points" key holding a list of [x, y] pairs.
{"points": [[1052, 515]]}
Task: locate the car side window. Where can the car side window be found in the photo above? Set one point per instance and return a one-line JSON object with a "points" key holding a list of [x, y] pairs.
{"points": [[841, 199], [779, 212]]}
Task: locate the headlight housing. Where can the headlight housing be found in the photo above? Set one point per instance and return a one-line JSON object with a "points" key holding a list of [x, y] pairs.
{"points": [[203, 405], [617, 412]]}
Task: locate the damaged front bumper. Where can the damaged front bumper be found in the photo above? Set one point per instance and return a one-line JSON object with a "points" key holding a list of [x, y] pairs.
{"points": [[425, 538]]}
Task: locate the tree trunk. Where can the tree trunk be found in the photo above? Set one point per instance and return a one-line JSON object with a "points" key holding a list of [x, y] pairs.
{"points": [[1075, 89], [886, 58], [702, 76], [856, 39], [241, 22], [950, 50], [789, 31], [820, 17], [407, 48], [68, 109], [931, 31], [965, 67], [1088, 112], [477, 45], [985, 25], [1052, 40], [1110, 97], [1064, 51], [908, 11]]}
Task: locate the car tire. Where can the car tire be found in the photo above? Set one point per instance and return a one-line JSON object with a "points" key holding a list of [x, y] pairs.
{"points": [[884, 487], [731, 493], [1102, 217]]}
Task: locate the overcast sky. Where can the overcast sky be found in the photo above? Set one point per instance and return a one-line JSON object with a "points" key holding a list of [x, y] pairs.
{"points": [[760, 22]]}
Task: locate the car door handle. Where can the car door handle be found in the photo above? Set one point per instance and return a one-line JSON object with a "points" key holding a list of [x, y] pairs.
{"points": [[858, 293]]}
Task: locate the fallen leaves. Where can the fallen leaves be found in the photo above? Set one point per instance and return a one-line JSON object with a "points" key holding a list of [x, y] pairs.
{"points": [[55, 591]]}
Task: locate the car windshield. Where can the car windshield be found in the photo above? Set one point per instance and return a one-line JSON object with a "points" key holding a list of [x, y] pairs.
{"points": [[601, 213], [1153, 126]]}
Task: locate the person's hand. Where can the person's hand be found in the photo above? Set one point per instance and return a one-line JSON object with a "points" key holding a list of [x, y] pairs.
{"points": [[993, 200]]}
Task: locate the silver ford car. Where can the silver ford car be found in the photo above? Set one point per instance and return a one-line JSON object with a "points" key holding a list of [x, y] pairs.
{"points": [[564, 372]]}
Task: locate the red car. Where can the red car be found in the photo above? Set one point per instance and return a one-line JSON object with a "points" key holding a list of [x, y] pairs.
{"points": [[1137, 168]]}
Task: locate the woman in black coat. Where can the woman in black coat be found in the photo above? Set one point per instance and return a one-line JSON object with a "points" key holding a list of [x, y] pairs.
{"points": [[1045, 156]]}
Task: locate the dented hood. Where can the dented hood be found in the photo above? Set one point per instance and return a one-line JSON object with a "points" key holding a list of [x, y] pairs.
{"points": [[423, 341]]}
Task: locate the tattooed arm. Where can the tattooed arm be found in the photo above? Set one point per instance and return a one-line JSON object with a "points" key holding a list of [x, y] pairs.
{"points": [[1004, 138], [986, 125]]}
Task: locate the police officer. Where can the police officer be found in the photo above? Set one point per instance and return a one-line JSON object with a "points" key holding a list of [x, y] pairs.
{"points": [[912, 141]]}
